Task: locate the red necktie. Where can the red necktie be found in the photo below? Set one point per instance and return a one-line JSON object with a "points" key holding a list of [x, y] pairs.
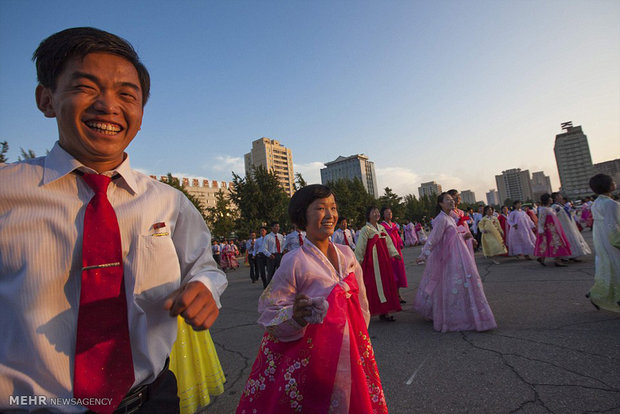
{"points": [[346, 241], [103, 362], [277, 243], [301, 239]]}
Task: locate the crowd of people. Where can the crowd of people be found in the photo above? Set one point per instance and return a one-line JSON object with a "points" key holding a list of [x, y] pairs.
{"points": [[110, 281]]}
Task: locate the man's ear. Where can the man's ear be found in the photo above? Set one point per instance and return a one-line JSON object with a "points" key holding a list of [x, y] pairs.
{"points": [[43, 97]]}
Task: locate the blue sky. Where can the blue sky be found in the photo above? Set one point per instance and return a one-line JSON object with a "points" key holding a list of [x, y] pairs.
{"points": [[450, 91]]}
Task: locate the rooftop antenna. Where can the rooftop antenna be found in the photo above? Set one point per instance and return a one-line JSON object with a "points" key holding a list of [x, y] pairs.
{"points": [[566, 125]]}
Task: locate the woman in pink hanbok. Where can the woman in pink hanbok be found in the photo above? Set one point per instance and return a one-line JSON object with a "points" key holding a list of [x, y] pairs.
{"points": [[230, 256], [450, 292], [316, 355], [550, 240], [462, 222], [375, 250], [419, 231], [410, 237], [398, 265], [521, 237]]}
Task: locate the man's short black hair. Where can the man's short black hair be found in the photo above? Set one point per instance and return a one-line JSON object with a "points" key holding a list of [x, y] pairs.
{"points": [[601, 183], [54, 52], [302, 199]]}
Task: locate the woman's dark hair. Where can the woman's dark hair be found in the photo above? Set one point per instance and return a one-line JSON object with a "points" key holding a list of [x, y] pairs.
{"points": [[545, 198], [54, 52], [453, 192], [368, 210], [514, 203], [383, 211], [487, 208], [302, 198], [601, 183], [440, 198]]}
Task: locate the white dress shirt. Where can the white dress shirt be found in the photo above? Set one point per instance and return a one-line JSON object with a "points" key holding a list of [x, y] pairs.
{"points": [[269, 244], [339, 235], [42, 207], [291, 241]]}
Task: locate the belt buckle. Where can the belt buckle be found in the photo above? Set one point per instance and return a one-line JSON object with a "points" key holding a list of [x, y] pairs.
{"points": [[134, 401]]}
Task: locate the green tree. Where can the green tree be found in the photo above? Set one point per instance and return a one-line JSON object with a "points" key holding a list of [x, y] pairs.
{"points": [[174, 182], [394, 202], [26, 155], [422, 209], [299, 181], [352, 199], [4, 148], [259, 199], [222, 217]]}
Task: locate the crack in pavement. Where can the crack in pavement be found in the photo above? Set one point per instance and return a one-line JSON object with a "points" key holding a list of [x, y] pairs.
{"points": [[583, 323], [551, 344], [246, 364], [532, 385]]}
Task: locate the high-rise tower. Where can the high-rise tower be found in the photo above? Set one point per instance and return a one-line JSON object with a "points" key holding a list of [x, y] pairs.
{"points": [[572, 155]]}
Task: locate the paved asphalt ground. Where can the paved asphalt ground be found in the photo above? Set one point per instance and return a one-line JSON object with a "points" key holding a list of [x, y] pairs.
{"points": [[552, 352]]}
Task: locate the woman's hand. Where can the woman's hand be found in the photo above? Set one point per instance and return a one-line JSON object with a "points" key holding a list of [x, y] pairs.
{"points": [[397, 257], [419, 260], [302, 308], [467, 236]]}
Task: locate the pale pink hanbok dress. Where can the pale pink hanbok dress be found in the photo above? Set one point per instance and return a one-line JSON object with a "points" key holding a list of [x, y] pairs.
{"points": [[422, 237], [522, 239], [411, 239], [326, 367], [451, 292]]}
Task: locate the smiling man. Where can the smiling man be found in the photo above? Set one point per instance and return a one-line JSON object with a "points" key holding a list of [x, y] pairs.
{"points": [[96, 259]]}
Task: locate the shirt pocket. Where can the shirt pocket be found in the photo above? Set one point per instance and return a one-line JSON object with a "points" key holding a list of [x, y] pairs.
{"points": [[157, 272]]}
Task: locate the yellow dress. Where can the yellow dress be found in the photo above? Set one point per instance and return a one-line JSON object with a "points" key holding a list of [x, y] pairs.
{"points": [[492, 243], [195, 363]]}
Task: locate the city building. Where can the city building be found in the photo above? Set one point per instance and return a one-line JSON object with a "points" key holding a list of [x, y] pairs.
{"points": [[572, 156], [493, 198], [514, 184], [611, 168], [348, 168], [430, 189], [541, 184], [204, 190], [273, 157], [468, 197]]}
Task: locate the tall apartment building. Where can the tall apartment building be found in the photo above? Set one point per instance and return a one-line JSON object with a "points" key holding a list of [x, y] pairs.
{"points": [[514, 184], [468, 197], [204, 190], [348, 168], [430, 189], [273, 157], [541, 184], [493, 198], [611, 168], [572, 155]]}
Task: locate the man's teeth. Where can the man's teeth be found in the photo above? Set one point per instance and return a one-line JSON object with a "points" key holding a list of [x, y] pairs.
{"points": [[104, 127]]}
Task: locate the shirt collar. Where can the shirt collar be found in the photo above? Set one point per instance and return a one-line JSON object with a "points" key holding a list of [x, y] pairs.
{"points": [[59, 163]]}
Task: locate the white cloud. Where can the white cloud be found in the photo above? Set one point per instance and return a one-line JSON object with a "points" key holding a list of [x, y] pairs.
{"points": [[227, 163], [401, 180], [310, 171]]}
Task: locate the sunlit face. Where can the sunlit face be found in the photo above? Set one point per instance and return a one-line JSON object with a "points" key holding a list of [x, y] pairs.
{"points": [[387, 214], [97, 104], [321, 218], [518, 206], [490, 212], [457, 199], [275, 228], [344, 224], [505, 210], [263, 232], [447, 203], [374, 215]]}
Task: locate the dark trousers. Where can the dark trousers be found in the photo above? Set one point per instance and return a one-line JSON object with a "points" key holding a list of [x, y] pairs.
{"points": [[253, 267], [216, 257], [272, 265], [261, 263], [161, 397]]}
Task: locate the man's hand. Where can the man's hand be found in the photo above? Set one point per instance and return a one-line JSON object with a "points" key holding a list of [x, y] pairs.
{"points": [[195, 303]]}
